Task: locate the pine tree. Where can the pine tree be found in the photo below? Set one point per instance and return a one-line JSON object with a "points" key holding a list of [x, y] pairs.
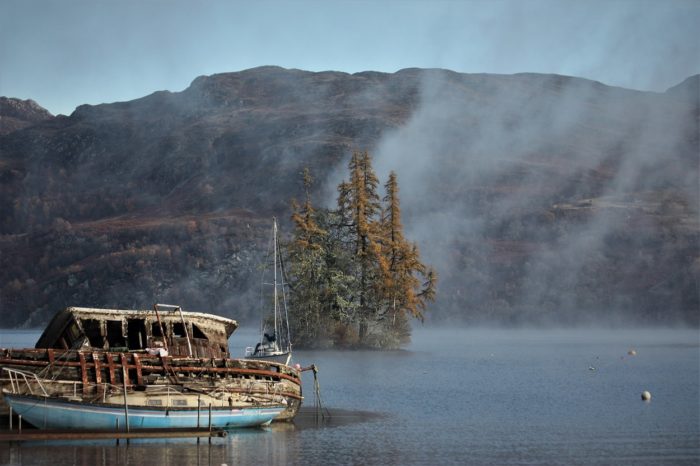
{"points": [[359, 207], [308, 234], [319, 285], [405, 295], [305, 257]]}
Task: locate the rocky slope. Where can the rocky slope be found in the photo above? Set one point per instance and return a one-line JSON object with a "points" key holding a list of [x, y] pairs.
{"points": [[17, 114], [538, 198]]}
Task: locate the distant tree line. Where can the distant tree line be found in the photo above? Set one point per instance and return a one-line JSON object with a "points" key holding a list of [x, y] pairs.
{"points": [[355, 279]]}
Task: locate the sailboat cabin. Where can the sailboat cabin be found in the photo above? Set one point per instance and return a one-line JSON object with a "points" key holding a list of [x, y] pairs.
{"points": [[165, 330]]}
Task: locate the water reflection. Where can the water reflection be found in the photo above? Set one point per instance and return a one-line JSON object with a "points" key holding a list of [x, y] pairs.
{"points": [[276, 444], [492, 397]]}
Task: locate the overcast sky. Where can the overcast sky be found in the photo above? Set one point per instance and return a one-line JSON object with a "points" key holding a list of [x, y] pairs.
{"points": [[64, 53]]}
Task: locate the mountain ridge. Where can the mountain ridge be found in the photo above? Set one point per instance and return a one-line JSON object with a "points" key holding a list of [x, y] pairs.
{"points": [[16, 114]]}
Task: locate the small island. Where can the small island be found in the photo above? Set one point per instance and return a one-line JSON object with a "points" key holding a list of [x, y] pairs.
{"points": [[355, 279]]}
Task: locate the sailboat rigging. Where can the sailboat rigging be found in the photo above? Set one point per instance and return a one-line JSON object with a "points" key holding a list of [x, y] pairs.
{"points": [[275, 343]]}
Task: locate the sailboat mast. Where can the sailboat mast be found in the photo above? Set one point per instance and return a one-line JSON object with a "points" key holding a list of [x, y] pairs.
{"points": [[274, 240]]}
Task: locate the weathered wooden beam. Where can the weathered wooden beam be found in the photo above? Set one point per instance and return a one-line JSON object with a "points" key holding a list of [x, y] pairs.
{"points": [[137, 363], [83, 373], [125, 369], [110, 365], [98, 369]]}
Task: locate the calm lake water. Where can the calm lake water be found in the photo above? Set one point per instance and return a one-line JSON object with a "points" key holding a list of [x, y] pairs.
{"points": [[491, 397]]}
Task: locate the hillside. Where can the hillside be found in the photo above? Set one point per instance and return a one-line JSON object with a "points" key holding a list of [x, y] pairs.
{"points": [[538, 198], [16, 114]]}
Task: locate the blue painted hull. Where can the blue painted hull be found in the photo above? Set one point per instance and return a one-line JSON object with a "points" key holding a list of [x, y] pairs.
{"points": [[48, 413]]}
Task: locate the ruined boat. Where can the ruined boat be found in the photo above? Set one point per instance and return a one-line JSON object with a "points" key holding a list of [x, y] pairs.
{"points": [[147, 409], [88, 354]]}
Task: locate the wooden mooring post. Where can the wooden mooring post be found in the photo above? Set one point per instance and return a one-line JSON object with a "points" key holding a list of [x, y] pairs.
{"points": [[210, 421], [199, 410]]}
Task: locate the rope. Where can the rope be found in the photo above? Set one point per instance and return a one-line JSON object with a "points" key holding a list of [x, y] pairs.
{"points": [[284, 300], [49, 369], [321, 413], [263, 266]]}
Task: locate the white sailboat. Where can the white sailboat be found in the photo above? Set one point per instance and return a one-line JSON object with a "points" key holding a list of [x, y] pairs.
{"points": [[275, 343]]}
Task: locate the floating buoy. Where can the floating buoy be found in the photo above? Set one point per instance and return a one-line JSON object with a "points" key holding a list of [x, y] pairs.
{"points": [[632, 352], [646, 396]]}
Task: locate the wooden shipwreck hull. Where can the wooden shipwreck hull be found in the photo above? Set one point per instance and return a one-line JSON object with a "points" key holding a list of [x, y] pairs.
{"points": [[90, 354]]}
